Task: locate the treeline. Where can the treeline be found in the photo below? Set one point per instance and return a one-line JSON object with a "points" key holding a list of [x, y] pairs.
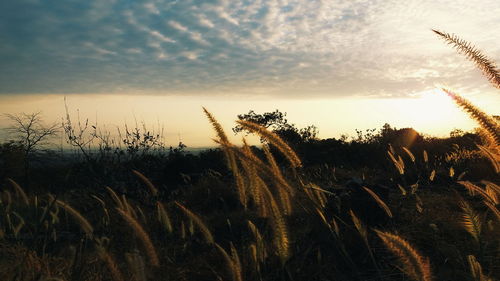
{"points": [[109, 162]]}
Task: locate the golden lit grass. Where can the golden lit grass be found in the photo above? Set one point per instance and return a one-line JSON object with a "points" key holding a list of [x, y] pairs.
{"points": [[82, 221], [474, 189], [217, 127], [115, 197], [253, 182], [408, 152], [273, 139], [163, 217], [398, 163], [476, 270], [426, 156], [229, 154], [493, 155], [493, 190], [323, 219], [279, 227], [413, 264], [472, 53], [494, 210], [260, 249], [198, 222], [485, 121], [142, 235], [490, 129], [222, 137], [262, 203], [236, 262], [147, 182], [240, 183], [362, 230], [316, 194], [359, 226], [255, 170], [275, 170], [490, 196], [250, 159], [470, 220], [379, 201], [232, 261]]}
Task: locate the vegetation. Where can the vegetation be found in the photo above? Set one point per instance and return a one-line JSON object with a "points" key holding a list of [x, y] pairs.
{"points": [[387, 205]]}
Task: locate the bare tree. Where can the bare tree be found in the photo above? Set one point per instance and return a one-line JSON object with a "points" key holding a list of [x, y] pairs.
{"points": [[80, 137], [31, 132]]}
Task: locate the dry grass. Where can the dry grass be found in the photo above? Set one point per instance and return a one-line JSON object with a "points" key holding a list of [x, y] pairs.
{"points": [[116, 274], [397, 163], [142, 235], [484, 120], [279, 227], [471, 220], [233, 262], [147, 182], [82, 221], [379, 201], [199, 223], [273, 139], [413, 264], [476, 270], [163, 217], [488, 67]]}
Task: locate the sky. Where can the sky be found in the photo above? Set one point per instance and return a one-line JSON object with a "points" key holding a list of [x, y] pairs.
{"points": [[340, 65]]}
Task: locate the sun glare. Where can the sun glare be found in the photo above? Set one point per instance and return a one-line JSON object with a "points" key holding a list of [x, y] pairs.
{"points": [[432, 112], [435, 105]]}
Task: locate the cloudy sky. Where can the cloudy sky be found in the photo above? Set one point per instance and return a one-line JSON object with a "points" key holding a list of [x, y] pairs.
{"points": [[282, 54]]}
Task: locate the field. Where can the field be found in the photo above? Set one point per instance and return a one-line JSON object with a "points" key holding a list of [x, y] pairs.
{"points": [[387, 205]]}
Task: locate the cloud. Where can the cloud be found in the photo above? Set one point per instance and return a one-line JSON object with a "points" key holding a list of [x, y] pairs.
{"points": [[286, 48]]}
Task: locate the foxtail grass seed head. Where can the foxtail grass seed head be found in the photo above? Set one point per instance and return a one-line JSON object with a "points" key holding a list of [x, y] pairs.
{"points": [[147, 182], [483, 119], [280, 229], [163, 217], [115, 197], [413, 264], [142, 235], [116, 274], [273, 139], [471, 220], [233, 265], [199, 223], [82, 221], [488, 67], [379, 201]]}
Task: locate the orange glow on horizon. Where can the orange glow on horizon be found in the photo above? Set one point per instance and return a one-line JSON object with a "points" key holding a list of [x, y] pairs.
{"points": [[182, 118]]}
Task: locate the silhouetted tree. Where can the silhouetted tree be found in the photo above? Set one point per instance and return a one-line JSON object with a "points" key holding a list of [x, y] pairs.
{"points": [[277, 123], [29, 130]]}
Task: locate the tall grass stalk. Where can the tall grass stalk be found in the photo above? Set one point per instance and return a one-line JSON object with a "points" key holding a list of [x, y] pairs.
{"points": [[273, 139], [472, 53], [484, 120], [82, 221], [199, 223], [142, 235], [414, 265]]}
